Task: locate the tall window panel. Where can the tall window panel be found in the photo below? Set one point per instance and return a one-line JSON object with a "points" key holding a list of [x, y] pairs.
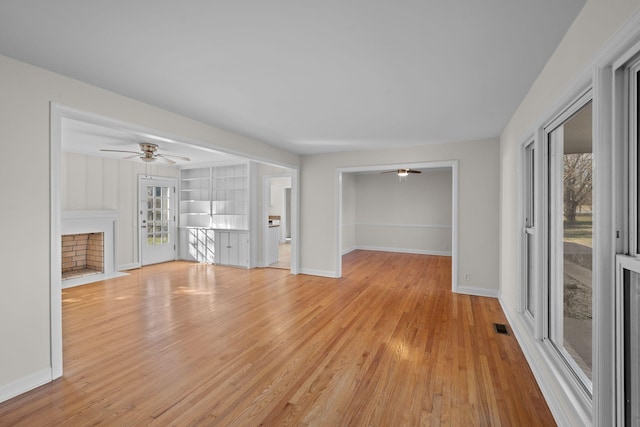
{"points": [[571, 240], [529, 230]]}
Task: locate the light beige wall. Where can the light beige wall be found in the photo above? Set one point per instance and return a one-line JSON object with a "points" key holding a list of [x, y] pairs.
{"points": [[410, 215], [596, 24], [348, 212], [96, 183], [27, 92], [478, 204]]}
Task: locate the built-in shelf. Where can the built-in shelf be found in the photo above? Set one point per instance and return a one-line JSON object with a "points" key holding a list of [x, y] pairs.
{"points": [[212, 198]]}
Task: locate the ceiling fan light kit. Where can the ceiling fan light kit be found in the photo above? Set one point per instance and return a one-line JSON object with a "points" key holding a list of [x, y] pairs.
{"points": [[403, 173]]}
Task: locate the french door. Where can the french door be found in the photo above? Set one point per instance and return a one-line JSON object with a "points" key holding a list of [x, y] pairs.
{"points": [[157, 220]]}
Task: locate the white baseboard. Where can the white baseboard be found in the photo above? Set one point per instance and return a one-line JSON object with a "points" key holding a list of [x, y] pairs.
{"points": [[25, 384], [402, 250], [479, 292], [561, 400], [322, 273], [346, 251], [131, 266]]}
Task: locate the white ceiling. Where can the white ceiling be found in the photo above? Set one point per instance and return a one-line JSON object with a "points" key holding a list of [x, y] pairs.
{"points": [[82, 137], [307, 76]]}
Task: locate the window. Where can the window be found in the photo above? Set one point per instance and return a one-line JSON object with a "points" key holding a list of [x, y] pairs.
{"points": [[570, 237], [528, 231]]}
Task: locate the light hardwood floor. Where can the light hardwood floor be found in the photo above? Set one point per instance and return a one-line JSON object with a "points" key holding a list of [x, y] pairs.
{"points": [[192, 344]]}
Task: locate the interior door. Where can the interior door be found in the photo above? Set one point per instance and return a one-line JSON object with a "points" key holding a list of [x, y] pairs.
{"points": [[157, 220]]}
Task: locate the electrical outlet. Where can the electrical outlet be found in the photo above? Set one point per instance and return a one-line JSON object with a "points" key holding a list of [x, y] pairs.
{"points": [[466, 276]]}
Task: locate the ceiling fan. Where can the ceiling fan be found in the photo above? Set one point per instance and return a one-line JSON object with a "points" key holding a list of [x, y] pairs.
{"points": [[148, 153], [402, 173]]}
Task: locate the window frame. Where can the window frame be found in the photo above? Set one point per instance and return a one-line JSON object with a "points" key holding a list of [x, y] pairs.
{"points": [[529, 232], [548, 269]]}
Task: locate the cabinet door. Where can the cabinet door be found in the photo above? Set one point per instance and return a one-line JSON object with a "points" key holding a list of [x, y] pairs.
{"points": [[222, 246], [243, 249], [234, 248]]}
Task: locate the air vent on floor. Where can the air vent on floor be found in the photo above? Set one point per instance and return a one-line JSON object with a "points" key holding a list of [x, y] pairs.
{"points": [[500, 328]]}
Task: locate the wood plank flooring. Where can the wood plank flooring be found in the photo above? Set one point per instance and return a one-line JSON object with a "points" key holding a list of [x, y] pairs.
{"points": [[192, 344]]}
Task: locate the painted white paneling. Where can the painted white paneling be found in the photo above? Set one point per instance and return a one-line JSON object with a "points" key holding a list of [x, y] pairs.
{"points": [[109, 184], [93, 183], [76, 183]]}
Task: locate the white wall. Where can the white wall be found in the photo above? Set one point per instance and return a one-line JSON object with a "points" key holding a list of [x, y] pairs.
{"points": [[27, 93], [413, 215], [596, 24], [478, 205], [96, 183], [348, 212]]}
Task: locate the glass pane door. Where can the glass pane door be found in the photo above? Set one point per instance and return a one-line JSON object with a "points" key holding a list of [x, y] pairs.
{"points": [[158, 215], [157, 220]]}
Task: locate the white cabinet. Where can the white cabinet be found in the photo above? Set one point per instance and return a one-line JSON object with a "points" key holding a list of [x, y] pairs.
{"points": [[197, 244], [232, 248]]}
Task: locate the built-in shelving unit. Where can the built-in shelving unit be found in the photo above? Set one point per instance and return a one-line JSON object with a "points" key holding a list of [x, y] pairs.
{"points": [[214, 198]]}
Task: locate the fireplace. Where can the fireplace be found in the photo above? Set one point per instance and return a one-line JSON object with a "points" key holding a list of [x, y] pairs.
{"points": [[82, 255], [88, 247]]}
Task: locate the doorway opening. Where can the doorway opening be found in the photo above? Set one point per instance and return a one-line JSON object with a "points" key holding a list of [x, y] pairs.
{"points": [[343, 223], [116, 129], [276, 219]]}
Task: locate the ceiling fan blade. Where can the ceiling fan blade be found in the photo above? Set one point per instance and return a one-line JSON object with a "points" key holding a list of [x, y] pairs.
{"points": [[390, 171], [413, 171], [164, 159], [122, 151], [186, 159]]}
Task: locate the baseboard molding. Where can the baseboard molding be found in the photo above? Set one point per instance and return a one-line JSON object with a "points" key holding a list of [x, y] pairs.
{"points": [[402, 250], [563, 405], [346, 251], [478, 292], [25, 384], [322, 273], [131, 266]]}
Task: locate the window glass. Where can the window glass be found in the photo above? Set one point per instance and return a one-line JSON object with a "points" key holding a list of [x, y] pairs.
{"points": [[571, 241]]}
